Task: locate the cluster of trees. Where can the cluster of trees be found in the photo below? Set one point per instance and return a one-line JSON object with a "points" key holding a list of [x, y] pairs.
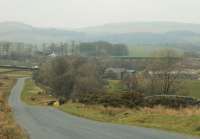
{"points": [[103, 49], [161, 76], [68, 77], [14, 50]]}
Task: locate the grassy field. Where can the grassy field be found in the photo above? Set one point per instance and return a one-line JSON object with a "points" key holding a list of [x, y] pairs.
{"points": [[138, 50], [4, 70], [184, 120], [18, 74], [141, 51], [192, 87], [115, 86], [8, 128], [24, 62]]}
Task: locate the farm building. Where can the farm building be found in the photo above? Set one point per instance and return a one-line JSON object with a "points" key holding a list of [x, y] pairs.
{"points": [[118, 73]]}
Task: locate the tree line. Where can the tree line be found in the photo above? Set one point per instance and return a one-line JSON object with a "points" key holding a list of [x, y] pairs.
{"points": [[102, 48]]}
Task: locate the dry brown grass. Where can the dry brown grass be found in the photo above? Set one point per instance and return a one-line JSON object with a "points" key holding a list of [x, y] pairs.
{"points": [[185, 120], [8, 128], [191, 111]]}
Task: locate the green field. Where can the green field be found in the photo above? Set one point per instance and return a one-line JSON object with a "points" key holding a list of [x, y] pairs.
{"points": [[4, 70], [16, 62], [192, 87], [147, 50], [189, 87], [115, 86]]}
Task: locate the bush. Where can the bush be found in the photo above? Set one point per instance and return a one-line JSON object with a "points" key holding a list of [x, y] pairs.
{"points": [[113, 99], [88, 98], [62, 101], [133, 99]]}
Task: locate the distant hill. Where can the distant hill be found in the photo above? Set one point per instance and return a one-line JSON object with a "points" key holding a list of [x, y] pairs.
{"points": [[20, 32], [142, 27], [129, 33]]}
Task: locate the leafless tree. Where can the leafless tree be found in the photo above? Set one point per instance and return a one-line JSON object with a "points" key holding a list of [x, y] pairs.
{"points": [[131, 83], [163, 72]]}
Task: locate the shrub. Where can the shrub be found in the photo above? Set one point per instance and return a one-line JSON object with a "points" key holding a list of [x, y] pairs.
{"points": [[113, 99], [88, 98], [133, 99]]}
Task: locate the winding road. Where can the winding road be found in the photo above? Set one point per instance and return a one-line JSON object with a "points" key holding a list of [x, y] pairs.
{"points": [[50, 123]]}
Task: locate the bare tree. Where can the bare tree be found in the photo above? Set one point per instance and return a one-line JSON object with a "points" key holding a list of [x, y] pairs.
{"points": [[163, 72], [131, 82], [69, 77]]}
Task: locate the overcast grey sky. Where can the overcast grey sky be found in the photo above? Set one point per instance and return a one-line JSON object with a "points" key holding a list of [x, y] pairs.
{"points": [[79, 13]]}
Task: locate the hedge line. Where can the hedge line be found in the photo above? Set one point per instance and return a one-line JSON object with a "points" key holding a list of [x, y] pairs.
{"points": [[138, 100], [173, 101]]}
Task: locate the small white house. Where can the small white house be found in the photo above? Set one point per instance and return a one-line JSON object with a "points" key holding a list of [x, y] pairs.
{"points": [[52, 55]]}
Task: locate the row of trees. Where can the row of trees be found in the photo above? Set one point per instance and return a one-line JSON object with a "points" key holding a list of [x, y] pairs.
{"points": [[103, 49], [10, 49]]}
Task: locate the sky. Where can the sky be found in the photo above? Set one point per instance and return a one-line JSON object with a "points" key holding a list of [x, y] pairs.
{"points": [[83, 13]]}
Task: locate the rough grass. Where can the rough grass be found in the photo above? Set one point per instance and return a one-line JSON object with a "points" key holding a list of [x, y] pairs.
{"points": [[184, 120], [8, 128], [34, 95]]}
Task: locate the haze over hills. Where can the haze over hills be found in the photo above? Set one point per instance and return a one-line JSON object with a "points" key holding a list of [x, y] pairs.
{"points": [[139, 27], [20, 32], [129, 33]]}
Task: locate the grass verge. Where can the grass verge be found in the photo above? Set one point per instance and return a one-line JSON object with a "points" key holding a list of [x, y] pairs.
{"points": [[185, 120], [34, 95]]}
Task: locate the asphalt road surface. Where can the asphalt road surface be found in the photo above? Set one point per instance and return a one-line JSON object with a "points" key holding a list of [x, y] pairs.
{"points": [[49, 123]]}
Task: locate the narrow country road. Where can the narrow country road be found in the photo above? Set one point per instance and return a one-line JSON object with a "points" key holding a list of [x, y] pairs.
{"points": [[49, 123]]}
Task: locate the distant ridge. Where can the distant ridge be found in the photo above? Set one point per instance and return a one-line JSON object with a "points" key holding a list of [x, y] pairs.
{"points": [[16, 31], [142, 27], [128, 33]]}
